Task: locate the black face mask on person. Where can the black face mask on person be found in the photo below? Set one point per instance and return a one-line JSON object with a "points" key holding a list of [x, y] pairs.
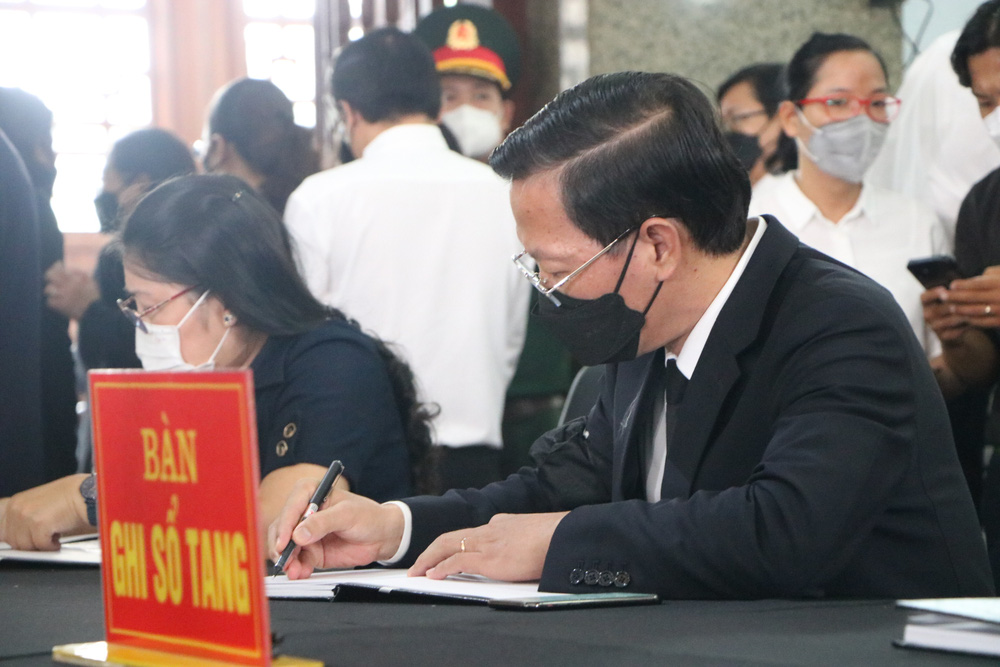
{"points": [[746, 147], [596, 331], [106, 204]]}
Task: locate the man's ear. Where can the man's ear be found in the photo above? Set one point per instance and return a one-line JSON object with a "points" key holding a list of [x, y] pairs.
{"points": [[347, 113], [217, 153], [665, 237]]}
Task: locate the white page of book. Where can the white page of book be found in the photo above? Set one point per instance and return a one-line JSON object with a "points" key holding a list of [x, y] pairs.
{"points": [[321, 585]]}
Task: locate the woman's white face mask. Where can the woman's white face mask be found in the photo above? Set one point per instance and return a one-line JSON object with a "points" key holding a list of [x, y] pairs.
{"points": [[160, 348]]}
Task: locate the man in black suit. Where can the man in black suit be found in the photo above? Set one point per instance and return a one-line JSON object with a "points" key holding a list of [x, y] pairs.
{"points": [[768, 426]]}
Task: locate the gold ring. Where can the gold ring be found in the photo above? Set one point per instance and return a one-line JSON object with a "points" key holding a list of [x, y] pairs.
{"points": [[989, 309], [461, 546]]}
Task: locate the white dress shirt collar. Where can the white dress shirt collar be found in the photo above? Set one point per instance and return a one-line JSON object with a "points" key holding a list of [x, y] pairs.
{"points": [[800, 210], [695, 343], [406, 138]]}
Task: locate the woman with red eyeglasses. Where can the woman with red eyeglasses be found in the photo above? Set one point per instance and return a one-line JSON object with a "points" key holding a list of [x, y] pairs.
{"points": [[838, 111]]}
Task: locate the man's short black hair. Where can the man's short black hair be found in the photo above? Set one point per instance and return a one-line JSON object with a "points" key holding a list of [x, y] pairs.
{"points": [[387, 74], [980, 34], [635, 145]]}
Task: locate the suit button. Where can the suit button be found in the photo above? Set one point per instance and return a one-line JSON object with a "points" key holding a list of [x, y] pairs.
{"points": [[576, 576], [605, 578], [622, 579], [282, 448], [590, 577], [290, 429]]}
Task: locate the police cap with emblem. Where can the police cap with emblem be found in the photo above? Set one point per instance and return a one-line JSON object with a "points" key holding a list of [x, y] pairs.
{"points": [[472, 40]]}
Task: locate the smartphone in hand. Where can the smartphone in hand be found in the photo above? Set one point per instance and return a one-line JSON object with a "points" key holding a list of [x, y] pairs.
{"points": [[935, 271]]}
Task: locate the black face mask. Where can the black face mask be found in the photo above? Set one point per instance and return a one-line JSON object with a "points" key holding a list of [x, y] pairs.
{"points": [[746, 147], [106, 204], [596, 331]]}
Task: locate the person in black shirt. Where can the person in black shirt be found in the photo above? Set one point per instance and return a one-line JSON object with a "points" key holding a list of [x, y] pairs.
{"points": [[28, 124], [966, 316]]}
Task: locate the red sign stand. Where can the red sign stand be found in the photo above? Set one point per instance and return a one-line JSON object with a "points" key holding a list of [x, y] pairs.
{"points": [[182, 561]]}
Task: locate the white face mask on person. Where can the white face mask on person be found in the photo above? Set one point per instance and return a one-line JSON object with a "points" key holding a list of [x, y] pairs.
{"points": [[159, 349], [992, 122], [476, 130], [844, 149]]}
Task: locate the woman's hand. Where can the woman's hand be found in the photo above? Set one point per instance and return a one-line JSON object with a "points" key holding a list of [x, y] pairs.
{"points": [[70, 291], [34, 519]]}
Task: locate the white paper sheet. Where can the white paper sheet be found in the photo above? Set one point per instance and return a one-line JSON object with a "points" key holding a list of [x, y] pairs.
{"points": [[981, 609], [76, 550]]}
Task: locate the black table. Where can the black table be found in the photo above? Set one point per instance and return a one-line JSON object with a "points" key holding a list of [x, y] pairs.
{"points": [[41, 606]]}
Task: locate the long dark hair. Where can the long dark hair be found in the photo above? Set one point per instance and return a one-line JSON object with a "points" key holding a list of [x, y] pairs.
{"points": [[216, 233], [256, 118]]}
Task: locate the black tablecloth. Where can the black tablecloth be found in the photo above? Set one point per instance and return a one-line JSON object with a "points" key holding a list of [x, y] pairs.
{"points": [[41, 606]]}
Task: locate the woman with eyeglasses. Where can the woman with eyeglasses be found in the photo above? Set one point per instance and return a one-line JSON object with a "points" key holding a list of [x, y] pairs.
{"points": [[838, 111], [214, 285], [748, 103]]}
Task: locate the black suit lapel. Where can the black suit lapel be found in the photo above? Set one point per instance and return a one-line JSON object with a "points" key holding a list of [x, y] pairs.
{"points": [[633, 404], [718, 369]]}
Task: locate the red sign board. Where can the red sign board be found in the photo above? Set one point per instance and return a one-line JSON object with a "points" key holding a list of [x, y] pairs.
{"points": [[177, 477]]}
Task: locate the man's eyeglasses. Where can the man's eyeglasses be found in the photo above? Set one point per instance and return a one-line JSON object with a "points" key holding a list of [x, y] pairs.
{"points": [[539, 283], [127, 307], [881, 108]]}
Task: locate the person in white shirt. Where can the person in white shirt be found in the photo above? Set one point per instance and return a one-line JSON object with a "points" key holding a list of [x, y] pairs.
{"points": [[937, 148], [838, 112], [414, 241]]}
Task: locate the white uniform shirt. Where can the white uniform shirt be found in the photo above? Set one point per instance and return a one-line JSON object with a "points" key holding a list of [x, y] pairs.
{"points": [[883, 232], [414, 241]]}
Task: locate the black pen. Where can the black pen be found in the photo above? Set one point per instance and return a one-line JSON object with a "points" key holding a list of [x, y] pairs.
{"points": [[333, 473]]}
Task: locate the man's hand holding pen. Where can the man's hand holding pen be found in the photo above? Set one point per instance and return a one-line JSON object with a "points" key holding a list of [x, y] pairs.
{"points": [[348, 531]]}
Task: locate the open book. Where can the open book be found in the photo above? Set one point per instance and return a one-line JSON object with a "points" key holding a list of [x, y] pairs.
{"points": [[340, 584]]}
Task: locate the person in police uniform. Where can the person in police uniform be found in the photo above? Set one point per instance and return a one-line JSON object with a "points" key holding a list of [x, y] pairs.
{"points": [[476, 53]]}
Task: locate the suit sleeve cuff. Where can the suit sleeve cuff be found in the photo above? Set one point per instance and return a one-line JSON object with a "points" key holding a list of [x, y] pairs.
{"points": [[404, 542]]}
